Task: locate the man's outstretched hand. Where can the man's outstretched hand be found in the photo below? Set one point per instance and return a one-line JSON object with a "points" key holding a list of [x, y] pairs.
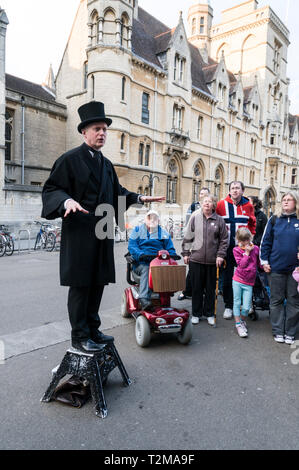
{"points": [[73, 206], [152, 198]]}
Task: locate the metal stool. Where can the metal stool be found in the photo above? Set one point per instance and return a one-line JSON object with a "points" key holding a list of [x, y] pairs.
{"points": [[94, 367]]}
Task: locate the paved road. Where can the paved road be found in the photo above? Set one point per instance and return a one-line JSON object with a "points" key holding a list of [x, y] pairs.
{"points": [[220, 392]]}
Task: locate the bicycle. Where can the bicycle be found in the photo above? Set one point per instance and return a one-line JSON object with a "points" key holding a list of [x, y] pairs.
{"points": [[46, 238], [6, 244]]}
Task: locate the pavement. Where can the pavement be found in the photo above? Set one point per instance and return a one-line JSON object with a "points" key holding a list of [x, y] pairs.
{"points": [[219, 392]]}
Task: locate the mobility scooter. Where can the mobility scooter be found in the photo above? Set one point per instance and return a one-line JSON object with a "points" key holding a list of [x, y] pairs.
{"points": [[160, 317]]}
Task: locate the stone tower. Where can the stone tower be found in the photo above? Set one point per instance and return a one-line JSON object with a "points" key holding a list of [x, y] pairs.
{"points": [[200, 17]]}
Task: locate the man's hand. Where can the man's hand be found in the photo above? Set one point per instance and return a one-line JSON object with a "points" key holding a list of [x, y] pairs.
{"points": [[267, 268], [219, 262], [152, 198], [73, 206], [186, 259]]}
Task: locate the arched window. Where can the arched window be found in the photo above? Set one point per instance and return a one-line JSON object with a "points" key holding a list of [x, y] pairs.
{"points": [[219, 182], [198, 178], [122, 142], [123, 88], [147, 155], [141, 152], [94, 28], [109, 27], [124, 31], [92, 86], [9, 119], [172, 182], [199, 127], [85, 75]]}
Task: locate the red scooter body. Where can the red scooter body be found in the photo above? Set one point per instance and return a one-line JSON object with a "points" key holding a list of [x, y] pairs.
{"points": [[161, 318]]}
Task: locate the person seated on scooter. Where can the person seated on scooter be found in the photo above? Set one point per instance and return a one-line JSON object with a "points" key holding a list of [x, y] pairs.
{"points": [[148, 239]]}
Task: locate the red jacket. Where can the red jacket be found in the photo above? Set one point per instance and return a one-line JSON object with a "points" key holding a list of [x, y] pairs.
{"points": [[236, 216]]}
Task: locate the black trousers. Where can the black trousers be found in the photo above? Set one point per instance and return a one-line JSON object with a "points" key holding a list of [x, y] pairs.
{"points": [[203, 280], [188, 288], [83, 307], [228, 273]]}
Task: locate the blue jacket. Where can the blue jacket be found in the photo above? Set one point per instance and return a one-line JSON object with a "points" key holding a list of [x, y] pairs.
{"points": [[280, 244], [142, 242]]}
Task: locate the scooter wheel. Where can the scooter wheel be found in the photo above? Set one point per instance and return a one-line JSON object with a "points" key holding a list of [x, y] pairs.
{"points": [[185, 336], [123, 308], [142, 332]]}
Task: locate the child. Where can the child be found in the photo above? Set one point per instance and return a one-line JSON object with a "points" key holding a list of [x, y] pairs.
{"points": [[296, 273], [247, 258]]}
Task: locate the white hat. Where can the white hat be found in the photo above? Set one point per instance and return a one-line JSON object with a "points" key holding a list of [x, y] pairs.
{"points": [[152, 212]]}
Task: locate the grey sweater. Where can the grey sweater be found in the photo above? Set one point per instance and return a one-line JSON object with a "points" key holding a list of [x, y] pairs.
{"points": [[205, 238]]}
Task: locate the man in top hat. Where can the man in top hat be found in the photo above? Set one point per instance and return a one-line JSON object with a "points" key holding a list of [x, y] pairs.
{"points": [[80, 181]]}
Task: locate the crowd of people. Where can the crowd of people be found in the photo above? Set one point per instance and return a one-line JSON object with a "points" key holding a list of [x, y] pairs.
{"points": [[232, 238], [250, 245]]}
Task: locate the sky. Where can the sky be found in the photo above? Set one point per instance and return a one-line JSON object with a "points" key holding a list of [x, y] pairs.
{"points": [[39, 30]]}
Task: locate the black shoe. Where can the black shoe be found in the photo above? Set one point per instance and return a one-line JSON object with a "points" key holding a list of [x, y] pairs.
{"points": [[145, 304], [87, 346], [99, 338]]}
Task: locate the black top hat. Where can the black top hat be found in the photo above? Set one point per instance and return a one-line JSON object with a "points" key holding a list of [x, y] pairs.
{"points": [[92, 112]]}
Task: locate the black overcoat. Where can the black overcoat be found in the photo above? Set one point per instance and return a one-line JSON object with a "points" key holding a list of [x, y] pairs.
{"points": [[84, 259]]}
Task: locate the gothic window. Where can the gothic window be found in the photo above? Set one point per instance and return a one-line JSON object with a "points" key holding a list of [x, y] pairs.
{"points": [[277, 56], [172, 179], [218, 184], [284, 174], [95, 28], [294, 177], [9, 118], [124, 30], [202, 24], [253, 148], [220, 136], [122, 142], [145, 108], [179, 68], [197, 182], [109, 28], [147, 155], [237, 141], [85, 75], [236, 173], [251, 177], [141, 152], [123, 88], [92, 86], [177, 118], [199, 127]]}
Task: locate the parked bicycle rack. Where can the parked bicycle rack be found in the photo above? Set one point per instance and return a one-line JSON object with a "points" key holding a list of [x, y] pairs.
{"points": [[19, 239]]}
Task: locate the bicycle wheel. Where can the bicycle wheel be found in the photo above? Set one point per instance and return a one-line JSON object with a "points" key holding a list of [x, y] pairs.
{"points": [[50, 241], [10, 247], [2, 245]]}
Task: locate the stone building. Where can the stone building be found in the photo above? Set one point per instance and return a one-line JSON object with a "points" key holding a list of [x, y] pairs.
{"points": [[189, 109]]}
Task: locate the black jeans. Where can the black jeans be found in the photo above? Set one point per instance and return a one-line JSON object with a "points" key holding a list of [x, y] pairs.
{"points": [[188, 288], [203, 280], [228, 273], [284, 319], [83, 308]]}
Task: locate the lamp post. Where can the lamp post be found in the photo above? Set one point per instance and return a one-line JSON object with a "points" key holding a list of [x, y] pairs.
{"points": [[151, 179], [23, 141]]}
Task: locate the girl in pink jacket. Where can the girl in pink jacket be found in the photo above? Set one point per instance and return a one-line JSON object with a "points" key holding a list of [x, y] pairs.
{"points": [[247, 258]]}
